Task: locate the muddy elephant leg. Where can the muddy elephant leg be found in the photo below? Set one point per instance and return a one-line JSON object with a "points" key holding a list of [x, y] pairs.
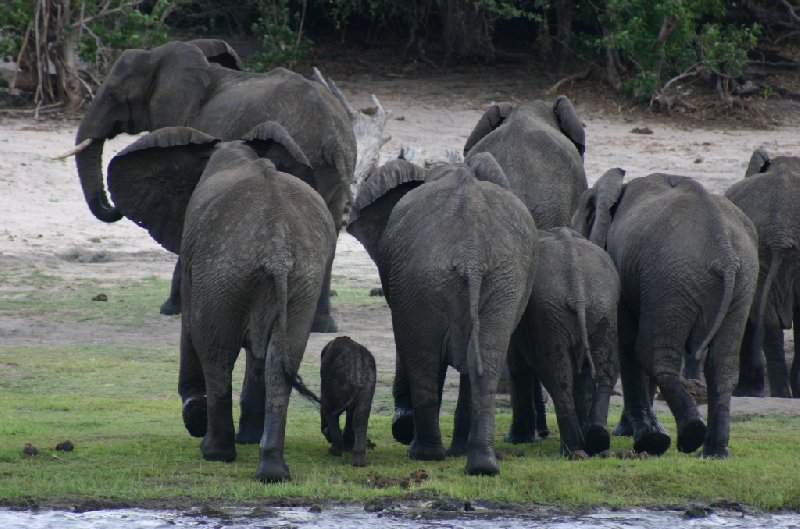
{"points": [[481, 459], [690, 425], [251, 402], [523, 414], [461, 418], [192, 387], [777, 371], [559, 384], [540, 422], [427, 442], [323, 319], [173, 303], [751, 375], [334, 432], [606, 361], [360, 422], [271, 464]]}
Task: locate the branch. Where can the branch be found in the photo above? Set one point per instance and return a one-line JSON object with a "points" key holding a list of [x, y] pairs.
{"points": [[104, 13], [574, 77], [667, 25], [790, 11]]}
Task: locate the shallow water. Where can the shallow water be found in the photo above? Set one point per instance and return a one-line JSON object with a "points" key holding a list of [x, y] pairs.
{"points": [[352, 517]]}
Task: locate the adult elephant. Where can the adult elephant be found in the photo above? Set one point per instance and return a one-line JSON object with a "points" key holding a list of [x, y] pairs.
{"points": [[769, 195], [175, 85], [687, 262], [540, 149], [255, 249], [456, 256]]}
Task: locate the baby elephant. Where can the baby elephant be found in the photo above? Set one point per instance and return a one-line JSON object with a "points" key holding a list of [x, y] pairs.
{"points": [[347, 373]]}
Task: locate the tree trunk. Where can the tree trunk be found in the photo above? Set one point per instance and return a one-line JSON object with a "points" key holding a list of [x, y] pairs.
{"points": [[69, 85], [466, 30], [563, 32]]}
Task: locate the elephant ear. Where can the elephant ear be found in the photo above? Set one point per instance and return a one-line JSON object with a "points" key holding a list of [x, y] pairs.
{"points": [[759, 162], [218, 51], [270, 140], [592, 218], [487, 169], [179, 85], [494, 116], [569, 123], [152, 180], [394, 174]]}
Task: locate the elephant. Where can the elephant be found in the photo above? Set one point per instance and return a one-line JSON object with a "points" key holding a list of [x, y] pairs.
{"points": [[176, 85], [255, 248], [688, 263], [456, 254], [347, 375], [768, 195], [540, 149], [568, 337]]}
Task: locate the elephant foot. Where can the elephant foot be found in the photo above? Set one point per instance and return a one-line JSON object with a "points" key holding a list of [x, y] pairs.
{"points": [[596, 440], [213, 450], [482, 463], [359, 459], [403, 425], [324, 323], [543, 433], [692, 435], [624, 428], [272, 469], [516, 437], [249, 432], [426, 453], [457, 449], [195, 415], [335, 451], [715, 452], [654, 443], [746, 391], [171, 307]]}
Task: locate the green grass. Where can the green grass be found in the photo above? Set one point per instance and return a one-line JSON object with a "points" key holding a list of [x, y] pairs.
{"points": [[120, 408]]}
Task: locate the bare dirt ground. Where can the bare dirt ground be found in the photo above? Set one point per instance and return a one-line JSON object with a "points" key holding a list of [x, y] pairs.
{"points": [[45, 223]]}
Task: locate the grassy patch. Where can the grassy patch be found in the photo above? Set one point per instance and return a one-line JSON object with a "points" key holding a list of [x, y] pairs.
{"points": [[120, 409]]}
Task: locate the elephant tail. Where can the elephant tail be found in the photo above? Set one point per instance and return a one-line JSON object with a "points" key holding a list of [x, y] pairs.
{"points": [[775, 261], [728, 274], [474, 279], [577, 302], [282, 293]]}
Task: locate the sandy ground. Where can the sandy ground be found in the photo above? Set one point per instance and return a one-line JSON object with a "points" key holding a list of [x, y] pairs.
{"points": [[44, 221]]}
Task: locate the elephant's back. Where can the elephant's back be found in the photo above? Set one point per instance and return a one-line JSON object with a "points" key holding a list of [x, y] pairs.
{"points": [[542, 165]]}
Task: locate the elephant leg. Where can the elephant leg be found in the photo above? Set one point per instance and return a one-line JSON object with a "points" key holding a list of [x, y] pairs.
{"points": [[720, 371], [251, 402], [794, 374], [360, 413], [648, 434], [427, 442], [172, 305], [218, 443], [334, 433], [461, 418], [521, 378], [540, 415], [557, 379], [192, 387], [323, 319], [604, 346], [348, 437], [777, 372], [751, 376], [403, 418]]}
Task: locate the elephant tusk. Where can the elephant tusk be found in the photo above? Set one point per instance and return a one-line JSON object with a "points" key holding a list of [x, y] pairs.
{"points": [[75, 150]]}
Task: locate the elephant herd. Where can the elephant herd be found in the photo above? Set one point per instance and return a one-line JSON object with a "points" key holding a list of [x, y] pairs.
{"points": [[505, 260]]}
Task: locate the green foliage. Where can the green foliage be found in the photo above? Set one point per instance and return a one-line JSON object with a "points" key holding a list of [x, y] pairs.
{"points": [[14, 18], [279, 31]]}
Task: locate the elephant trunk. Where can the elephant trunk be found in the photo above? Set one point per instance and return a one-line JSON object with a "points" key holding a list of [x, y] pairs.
{"points": [[90, 171]]}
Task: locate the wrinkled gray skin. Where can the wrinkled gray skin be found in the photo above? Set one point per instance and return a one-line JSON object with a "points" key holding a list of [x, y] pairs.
{"points": [[256, 244], [347, 375], [540, 149], [769, 196], [175, 85], [456, 256], [568, 337], [687, 262]]}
